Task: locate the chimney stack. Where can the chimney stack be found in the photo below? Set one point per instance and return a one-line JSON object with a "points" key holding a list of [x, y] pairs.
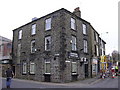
{"points": [[77, 12], [35, 18]]}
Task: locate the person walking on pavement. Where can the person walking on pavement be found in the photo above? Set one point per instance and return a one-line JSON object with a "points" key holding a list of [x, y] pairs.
{"points": [[9, 76], [116, 70], [113, 72]]}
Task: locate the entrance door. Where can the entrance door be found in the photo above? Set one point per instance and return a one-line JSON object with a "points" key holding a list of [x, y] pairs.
{"points": [[86, 70], [47, 77], [13, 68]]}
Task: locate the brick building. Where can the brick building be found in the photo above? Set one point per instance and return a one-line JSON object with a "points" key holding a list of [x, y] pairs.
{"points": [[56, 47]]}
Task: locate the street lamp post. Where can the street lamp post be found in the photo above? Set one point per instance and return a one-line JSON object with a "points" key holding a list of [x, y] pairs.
{"points": [[101, 41], [103, 64]]}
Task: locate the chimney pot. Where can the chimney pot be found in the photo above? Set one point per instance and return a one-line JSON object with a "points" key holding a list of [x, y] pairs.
{"points": [[77, 9], [77, 12]]}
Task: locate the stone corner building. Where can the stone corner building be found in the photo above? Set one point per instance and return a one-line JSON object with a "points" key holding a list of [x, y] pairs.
{"points": [[57, 47]]}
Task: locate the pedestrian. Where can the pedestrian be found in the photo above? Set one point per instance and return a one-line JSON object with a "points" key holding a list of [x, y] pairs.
{"points": [[9, 76], [101, 73], [113, 72], [107, 73], [116, 70]]}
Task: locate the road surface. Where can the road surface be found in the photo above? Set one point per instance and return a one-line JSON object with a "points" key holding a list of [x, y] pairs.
{"points": [[100, 83]]}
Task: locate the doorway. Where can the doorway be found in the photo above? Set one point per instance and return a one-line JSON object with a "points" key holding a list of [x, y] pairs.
{"points": [[86, 70]]}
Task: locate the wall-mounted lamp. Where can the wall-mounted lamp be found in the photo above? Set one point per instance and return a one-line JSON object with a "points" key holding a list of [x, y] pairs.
{"points": [[83, 60], [56, 55]]}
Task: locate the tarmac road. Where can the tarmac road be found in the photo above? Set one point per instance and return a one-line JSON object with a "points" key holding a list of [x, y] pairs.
{"points": [[90, 83]]}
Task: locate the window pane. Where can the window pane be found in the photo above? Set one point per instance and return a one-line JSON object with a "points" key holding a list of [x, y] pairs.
{"points": [[33, 46], [24, 68], [33, 29], [97, 50], [48, 24], [47, 67], [73, 23], [74, 43], [74, 67], [85, 46], [32, 68], [20, 34], [84, 29], [48, 43]]}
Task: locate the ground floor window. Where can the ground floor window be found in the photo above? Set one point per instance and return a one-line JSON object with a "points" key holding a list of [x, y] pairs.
{"points": [[24, 68], [74, 68], [94, 68], [32, 68], [47, 67]]}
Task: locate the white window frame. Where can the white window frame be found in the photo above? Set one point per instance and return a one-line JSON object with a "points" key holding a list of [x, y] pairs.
{"points": [[20, 34], [47, 62], [46, 44], [74, 69], [85, 46], [84, 29], [32, 68], [73, 24], [24, 68], [74, 44], [97, 50], [48, 24], [33, 31], [96, 37], [32, 47]]}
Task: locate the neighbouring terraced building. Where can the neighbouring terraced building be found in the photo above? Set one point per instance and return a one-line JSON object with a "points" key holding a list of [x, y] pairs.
{"points": [[58, 47], [5, 54]]}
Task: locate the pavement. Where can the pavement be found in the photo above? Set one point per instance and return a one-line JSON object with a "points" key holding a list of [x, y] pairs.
{"points": [[85, 81]]}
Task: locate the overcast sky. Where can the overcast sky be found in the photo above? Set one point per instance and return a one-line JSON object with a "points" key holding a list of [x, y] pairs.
{"points": [[102, 14]]}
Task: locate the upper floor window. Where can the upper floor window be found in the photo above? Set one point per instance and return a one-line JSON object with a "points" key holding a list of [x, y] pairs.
{"points": [[19, 49], [24, 68], [84, 29], [73, 41], [48, 24], [97, 49], [73, 24], [20, 34], [33, 29], [32, 68], [48, 43], [85, 46], [96, 37], [33, 46]]}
